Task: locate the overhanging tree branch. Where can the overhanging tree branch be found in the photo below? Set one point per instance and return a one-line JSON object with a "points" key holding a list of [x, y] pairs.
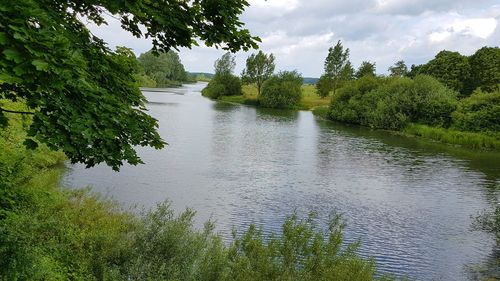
{"points": [[16, 112]]}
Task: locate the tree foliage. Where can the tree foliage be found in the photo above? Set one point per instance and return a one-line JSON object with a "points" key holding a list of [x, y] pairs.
{"points": [[259, 67], [366, 69], [225, 65], [479, 112], [337, 65], [450, 68], [393, 102], [224, 83], [323, 86], [164, 67], [485, 69], [282, 90], [84, 97], [399, 69]]}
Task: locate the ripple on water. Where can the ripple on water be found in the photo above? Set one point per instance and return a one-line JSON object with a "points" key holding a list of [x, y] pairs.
{"points": [[410, 202]]}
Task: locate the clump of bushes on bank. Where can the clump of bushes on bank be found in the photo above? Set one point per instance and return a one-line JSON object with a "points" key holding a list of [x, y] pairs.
{"points": [[222, 85], [282, 90], [422, 107], [392, 103], [478, 113]]}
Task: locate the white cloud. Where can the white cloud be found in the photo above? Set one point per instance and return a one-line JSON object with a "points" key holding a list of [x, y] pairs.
{"points": [[299, 32]]}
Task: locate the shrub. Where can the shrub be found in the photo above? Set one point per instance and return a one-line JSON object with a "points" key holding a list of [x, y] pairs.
{"points": [[223, 85], [282, 90], [479, 112], [349, 104], [392, 103]]}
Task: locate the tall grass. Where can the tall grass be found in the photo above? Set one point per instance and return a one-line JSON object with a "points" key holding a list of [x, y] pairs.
{"points": [[466, 139]]}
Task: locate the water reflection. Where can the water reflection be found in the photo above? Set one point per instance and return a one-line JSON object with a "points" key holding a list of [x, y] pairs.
{"points": [[410, 201]]}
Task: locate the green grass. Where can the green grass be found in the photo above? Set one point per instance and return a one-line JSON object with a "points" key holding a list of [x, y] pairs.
{"points": [[310, 99], [466, 139]]}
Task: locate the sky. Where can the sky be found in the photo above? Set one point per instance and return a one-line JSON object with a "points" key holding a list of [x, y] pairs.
{"points": [[299, 32]]}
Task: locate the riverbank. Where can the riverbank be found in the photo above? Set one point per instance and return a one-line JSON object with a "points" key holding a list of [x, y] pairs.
{"points": [[309, 99], [48, 232], [447, 136]]}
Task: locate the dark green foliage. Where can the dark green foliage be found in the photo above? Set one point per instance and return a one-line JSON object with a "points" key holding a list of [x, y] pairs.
{"points": [[259, 68], [323, 86], [282, 90], [163, 68], [479, 113], [225, 65], [85, 97], [392, 103], [365, 69], [485, 69], [399, 69], [450, 68], [414, 71], [337, 66], [223, 85]]}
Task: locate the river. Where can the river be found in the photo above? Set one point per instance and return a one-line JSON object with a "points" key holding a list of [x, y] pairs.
{"points": [[409, 201]]}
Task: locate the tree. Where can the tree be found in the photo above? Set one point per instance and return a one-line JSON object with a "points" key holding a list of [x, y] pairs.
{"points": [[335, 62], [282, 90], [450, 68], [225, 65], [323, 86], [414, 71], [399, 69], [164, 67], [259, 68], [366, 69], [224, 83], [348, 72], [84, 97], [485, 69]]}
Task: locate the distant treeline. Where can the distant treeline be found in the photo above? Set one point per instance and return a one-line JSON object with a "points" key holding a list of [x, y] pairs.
{"points": [[452, 98], [464, 74]]}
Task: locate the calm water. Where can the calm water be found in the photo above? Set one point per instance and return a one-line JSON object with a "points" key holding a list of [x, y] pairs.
{"points": [[410, 202]]}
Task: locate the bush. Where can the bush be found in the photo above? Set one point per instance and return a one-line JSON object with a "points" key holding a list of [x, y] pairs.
{"points": [[223, 85], [282, 90], [479, 112], [394, 102]]}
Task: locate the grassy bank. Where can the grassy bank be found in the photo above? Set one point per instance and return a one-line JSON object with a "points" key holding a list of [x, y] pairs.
{"points": [[51, 233], [449, 136], [309, 99]]}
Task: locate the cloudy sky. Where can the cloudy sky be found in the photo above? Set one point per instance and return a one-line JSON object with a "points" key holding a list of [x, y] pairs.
{"points": [[299, 32]]}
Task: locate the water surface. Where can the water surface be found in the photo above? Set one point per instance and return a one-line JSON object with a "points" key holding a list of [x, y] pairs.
{"points": [[409, 201]]}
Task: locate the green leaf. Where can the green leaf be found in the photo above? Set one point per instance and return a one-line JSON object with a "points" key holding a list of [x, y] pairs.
{"points": [[6, 78], [13, 54], [40, 65], [3, 38], [30, 144]]}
